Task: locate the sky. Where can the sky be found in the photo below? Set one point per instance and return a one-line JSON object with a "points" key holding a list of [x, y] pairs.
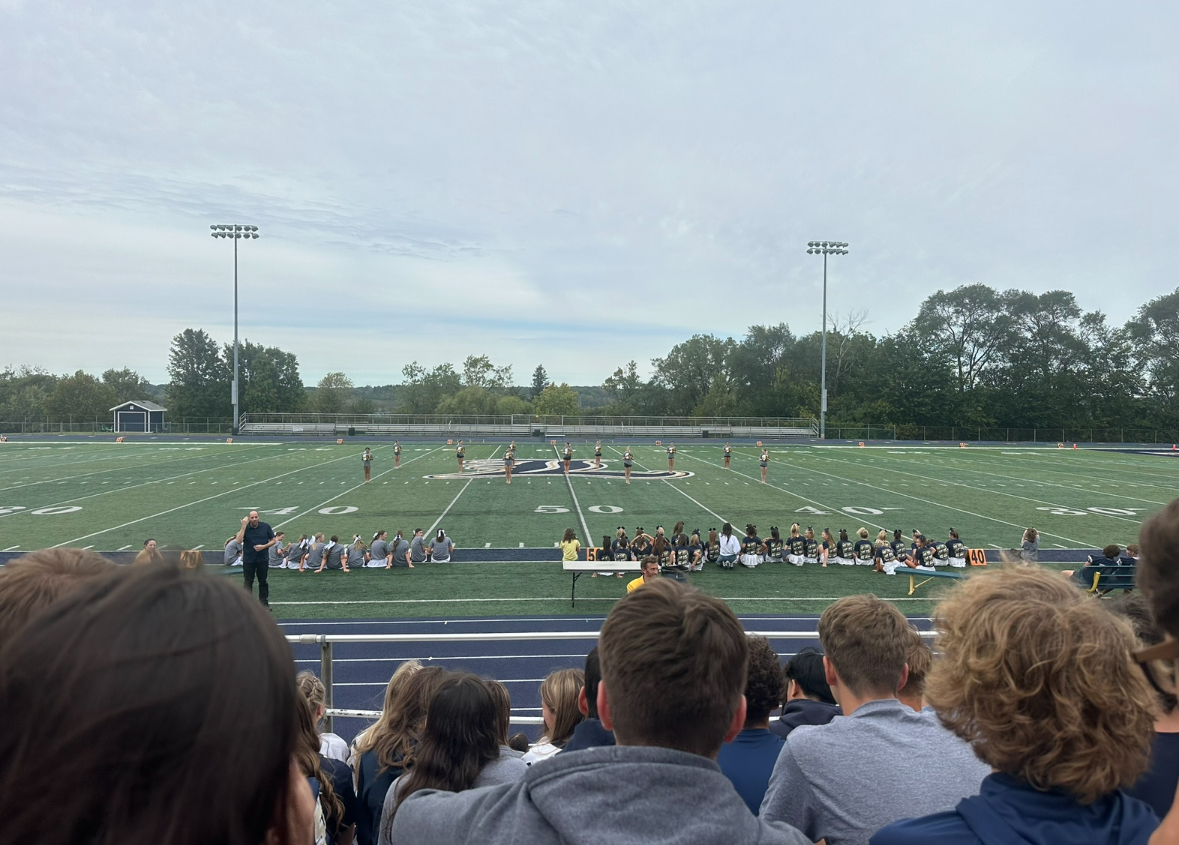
{"points": [[565, 183]]}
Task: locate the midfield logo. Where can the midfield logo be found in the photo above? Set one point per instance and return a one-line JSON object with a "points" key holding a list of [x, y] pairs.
{"points": [[551, 466]]}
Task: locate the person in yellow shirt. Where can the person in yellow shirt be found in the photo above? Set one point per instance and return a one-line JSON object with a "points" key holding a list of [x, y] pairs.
{"points": [[570, 545], [650, 573]]}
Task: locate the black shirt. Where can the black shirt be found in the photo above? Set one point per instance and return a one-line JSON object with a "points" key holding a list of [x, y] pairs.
{"points": [[256, 536]]}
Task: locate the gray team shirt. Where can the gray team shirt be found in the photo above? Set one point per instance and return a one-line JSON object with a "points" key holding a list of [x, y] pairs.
{"points": [[441, 551], [380, 549], [400, 547], [417, 550], [232, 551]]}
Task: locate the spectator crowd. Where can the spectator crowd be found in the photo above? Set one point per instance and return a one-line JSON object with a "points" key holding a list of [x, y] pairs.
{"points": [[159, 704]]}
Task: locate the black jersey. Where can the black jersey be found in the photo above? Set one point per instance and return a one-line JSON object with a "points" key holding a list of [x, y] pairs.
{"points": [[844, 549], [811, 545], [713, 553], [884, 553], [797, 546], [899, 550], [620, 550], [751, 545], [641, 549], [956, 548], [775, 545], [923, 556], [864, 550], [683, 556], [940, 551], [665, 556]]}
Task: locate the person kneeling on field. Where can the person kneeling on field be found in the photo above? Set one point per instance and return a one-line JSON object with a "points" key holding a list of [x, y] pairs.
{"points": [[1020, 643], [673, 673]]}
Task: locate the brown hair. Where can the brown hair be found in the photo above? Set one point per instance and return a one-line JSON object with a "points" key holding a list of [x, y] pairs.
{"points": [[559, 692], [307, 754], [395, 734], [31, 583], [135, 697], [1040, 682], [1136, 609], [765, 686], [673, 664], [312, 689], [919, 658], [866, 639], [1158, 569], [503, 707]]}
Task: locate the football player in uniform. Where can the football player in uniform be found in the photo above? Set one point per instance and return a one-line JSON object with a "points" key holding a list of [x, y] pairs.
{"points": [[764, 461], [795, 546], [598, 454], [728, 455], [396, 454], [567, 455], [864, 551], [670, 457], [460, 454], [628, 461], [957, 550]]}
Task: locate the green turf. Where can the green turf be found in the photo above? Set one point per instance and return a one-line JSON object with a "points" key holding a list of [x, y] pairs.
{"points": [[193, 493]]}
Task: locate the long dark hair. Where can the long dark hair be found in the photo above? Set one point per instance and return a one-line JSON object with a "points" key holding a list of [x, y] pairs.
{"points": [[659, 546], [162, 702], [727, 529], [460, 737]]}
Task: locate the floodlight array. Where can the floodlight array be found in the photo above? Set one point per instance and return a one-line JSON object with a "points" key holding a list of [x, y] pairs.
{"points": [[234, 231], [826, 248]]}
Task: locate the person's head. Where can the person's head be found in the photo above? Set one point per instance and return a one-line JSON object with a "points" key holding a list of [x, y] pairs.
{"points": [[794, 530], [695, 538], [418, 532], [863, 533], [919, 659], [280, 535], [149, 545], [1132, 550], [658, 531], [673, 669], [882, 537], [440, 536], [1136, 609], [764, 684], [30, 584], [1112, 552], [394, 737], [660, 544], [1157, 574], [253, 519], [380, 535], [679, 528], [459, 737], [620, 532], [827, 535], [605, 541], [191, 559], [865, 641], [307, 745], [587, 699], [558, 700], [319, 537], [919, 539], [570, 536], [775, 533], [135, 697], [334, 539], [953, 534], [750, 530], [503, 708], [843, 534], [810, 533], [681, 540], [805, 677], [896, 535], [312, 689], [1031, 535], [1040, 681], [727, 529], [358, 544], [650, 569]]}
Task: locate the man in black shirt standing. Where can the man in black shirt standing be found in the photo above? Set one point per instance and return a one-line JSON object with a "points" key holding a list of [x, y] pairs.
{"points": [[256, 538]]}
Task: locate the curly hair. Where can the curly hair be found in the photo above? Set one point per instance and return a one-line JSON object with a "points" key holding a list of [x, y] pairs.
{"points": [[1039, 680], [765, 685]]}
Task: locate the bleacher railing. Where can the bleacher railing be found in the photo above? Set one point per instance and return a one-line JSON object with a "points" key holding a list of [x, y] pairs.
{"points": [[327, 641]]}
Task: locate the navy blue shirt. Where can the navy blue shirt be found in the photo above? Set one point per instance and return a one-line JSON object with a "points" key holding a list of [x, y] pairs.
{"points": [[258, 535], [1157, 786], [864, 550], [748, 761], [797, 546]]}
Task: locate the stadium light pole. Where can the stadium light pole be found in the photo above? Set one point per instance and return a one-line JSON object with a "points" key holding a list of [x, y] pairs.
{"points": [[824, 248], [237, 232]]}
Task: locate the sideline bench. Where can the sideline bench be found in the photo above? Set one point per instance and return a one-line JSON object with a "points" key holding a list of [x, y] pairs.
{"points": [[580, 567], [1112, 578], [929, 575]]}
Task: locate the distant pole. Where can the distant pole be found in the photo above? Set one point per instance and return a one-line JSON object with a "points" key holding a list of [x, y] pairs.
{"points": [[237, 232], [824, 248]]}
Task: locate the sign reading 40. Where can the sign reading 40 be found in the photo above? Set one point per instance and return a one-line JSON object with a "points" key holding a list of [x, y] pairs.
{"points": [[6, 510]]}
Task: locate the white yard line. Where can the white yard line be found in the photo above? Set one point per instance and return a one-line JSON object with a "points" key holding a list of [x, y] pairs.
{"points": [[681, 492], [576, 504], [442, 516]]}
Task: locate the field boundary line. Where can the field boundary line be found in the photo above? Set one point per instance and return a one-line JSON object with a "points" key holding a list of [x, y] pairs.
{"points": [[569, 481], [201, 501], [357, 487], [442, 516]]}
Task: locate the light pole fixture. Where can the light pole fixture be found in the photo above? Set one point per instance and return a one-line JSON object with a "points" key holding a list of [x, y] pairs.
{"points": [[824, 248], [237, 232]]}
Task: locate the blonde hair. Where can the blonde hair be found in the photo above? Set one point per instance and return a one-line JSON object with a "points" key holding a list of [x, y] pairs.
{"points": [[1039, 680], [312, 689], [559, 693], [394, 735], [863, 532]]}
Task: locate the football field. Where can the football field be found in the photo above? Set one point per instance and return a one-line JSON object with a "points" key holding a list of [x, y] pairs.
{"points": [[193, 493]]}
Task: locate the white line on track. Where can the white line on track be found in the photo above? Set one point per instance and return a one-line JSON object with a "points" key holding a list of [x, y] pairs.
{"points": [[576, 504], [10, 549], [682, 493], [201, 501], [442, 516]]}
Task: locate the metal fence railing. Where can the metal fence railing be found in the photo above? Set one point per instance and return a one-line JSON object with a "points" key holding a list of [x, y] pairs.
{"points": [[99, 425], [327, 656], [983, 434]]}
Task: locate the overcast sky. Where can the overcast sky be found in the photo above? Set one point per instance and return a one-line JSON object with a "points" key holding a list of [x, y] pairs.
{"points": [[574, 184]]}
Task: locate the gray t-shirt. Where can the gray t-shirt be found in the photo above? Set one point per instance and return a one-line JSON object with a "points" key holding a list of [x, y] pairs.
{"points": [[335, 556], [355, 556], [380, 549], [440, 549], [276, 554], [845, 780], [417, 550], [400, 547], [315, 555], [233, 551]]}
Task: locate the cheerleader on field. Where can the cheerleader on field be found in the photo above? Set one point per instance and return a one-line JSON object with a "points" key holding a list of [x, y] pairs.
{"points": [[810, 547], [567, 456], [751, 547], [864, 550], [795, 546], [598, 454], [670, 457], [845, 550], [509, 462], [460, 454], [826, 546], [774, 546], [728, 455], [628, 461], [764, 460], [956, 550], [396, 454]]}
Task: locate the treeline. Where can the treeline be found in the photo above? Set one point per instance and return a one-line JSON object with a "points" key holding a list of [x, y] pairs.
{"points": [[973, 356]]}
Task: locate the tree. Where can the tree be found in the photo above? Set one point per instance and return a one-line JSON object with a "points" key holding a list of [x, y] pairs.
{"points": [[470, 401], [624, 388], [555, 401], [968, 325], [540, 380], [80, 396], [332, 393], [268, 381], [1155, 334], [127, 385], [506, 406], [755, 364], [423, 390], [23, 393], [200, 385], [689, 368]]}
